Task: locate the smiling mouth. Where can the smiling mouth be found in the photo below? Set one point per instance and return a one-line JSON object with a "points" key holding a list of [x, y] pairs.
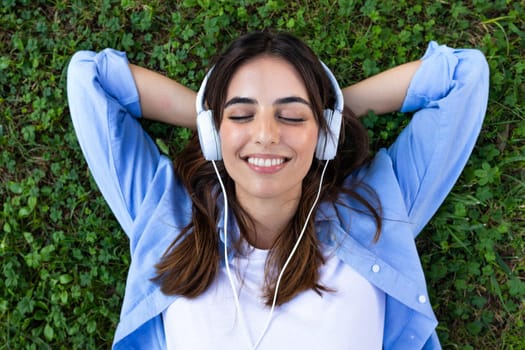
{"points": [[266, 162]]}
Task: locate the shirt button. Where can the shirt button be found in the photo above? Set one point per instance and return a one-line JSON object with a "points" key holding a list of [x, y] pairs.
{"points": [[376, 268], [422, 299]]}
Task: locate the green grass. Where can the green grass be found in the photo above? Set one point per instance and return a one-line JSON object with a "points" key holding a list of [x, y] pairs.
{"points": [[63, 257]]}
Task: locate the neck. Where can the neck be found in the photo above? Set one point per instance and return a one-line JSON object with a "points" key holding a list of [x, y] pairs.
{"points": [[270, 217]]}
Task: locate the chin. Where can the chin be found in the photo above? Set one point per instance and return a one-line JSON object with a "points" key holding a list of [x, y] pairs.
{"points": [[272, 191]]}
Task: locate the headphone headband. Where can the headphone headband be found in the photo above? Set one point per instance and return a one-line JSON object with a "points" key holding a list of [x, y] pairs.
{"points": [[339, 100], [199, 102]]}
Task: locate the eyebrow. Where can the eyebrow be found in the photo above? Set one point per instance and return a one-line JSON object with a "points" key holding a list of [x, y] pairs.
{"points": [[279, 101]]}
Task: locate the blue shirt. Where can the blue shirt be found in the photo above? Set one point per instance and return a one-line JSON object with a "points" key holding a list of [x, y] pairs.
{"points": [[448, 94]]}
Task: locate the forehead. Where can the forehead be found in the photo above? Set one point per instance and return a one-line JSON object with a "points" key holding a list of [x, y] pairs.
{"points": [[266, 78]]}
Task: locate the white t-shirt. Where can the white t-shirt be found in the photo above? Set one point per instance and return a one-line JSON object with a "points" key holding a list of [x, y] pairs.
{"points": [[351, 317]]}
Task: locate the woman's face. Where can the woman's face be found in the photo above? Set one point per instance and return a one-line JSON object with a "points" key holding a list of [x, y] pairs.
{"points": [[268, 130]]}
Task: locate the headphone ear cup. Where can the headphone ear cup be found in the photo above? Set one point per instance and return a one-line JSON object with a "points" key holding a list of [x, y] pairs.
{"points": [[328, 141], [208, 136]]}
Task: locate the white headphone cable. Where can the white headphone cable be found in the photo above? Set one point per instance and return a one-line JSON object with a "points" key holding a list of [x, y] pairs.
{"points": [[226, 262], [228, 272], [270, 316]]}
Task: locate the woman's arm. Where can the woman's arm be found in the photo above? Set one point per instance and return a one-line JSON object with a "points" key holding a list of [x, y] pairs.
{"points": [[104, 107], [381, 93], [448, 95], [163, 99]]}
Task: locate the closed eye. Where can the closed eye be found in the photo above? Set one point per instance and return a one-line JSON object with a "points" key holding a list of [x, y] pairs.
{"points": [[240, 118], [291, 120]]}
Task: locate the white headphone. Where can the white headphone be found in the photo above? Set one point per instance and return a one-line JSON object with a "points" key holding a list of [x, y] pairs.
{"points": [[326, 144]]}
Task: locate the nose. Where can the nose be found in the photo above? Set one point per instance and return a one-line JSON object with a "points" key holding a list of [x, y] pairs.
{"points": [[266, 128]]}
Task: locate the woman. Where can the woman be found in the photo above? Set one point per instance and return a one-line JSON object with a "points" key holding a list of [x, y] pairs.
{"points": [[348, 276]]}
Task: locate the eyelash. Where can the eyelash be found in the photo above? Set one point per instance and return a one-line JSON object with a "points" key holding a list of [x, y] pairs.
{"points": [[240, 118], [293, 120]]}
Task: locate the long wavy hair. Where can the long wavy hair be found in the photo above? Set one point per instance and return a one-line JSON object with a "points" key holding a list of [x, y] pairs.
{"points": [[191, 263]]}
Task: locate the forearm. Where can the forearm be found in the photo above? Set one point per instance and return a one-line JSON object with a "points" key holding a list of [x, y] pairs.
{"points": [[163, 99], [381, 93]]}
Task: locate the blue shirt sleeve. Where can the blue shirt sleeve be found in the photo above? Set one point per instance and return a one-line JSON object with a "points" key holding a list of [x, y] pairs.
{"points": [[104, 107], [449, 94]]}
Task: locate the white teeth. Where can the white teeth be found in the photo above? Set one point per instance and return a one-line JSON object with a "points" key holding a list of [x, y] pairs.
{"points": [[265, 162]]}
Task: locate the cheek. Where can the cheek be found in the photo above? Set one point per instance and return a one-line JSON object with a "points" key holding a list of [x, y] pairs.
{"points": [[231, 140], [305, 142]]}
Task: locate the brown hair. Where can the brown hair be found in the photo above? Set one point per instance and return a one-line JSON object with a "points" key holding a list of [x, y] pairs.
{"points": [[192, 261]]}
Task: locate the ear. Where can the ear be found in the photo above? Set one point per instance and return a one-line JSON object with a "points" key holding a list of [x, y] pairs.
{"points": [[328, 139], [208, 136]]}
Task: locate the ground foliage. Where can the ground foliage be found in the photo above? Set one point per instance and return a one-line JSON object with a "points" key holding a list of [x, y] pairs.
{"points": [[63, 257]]}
